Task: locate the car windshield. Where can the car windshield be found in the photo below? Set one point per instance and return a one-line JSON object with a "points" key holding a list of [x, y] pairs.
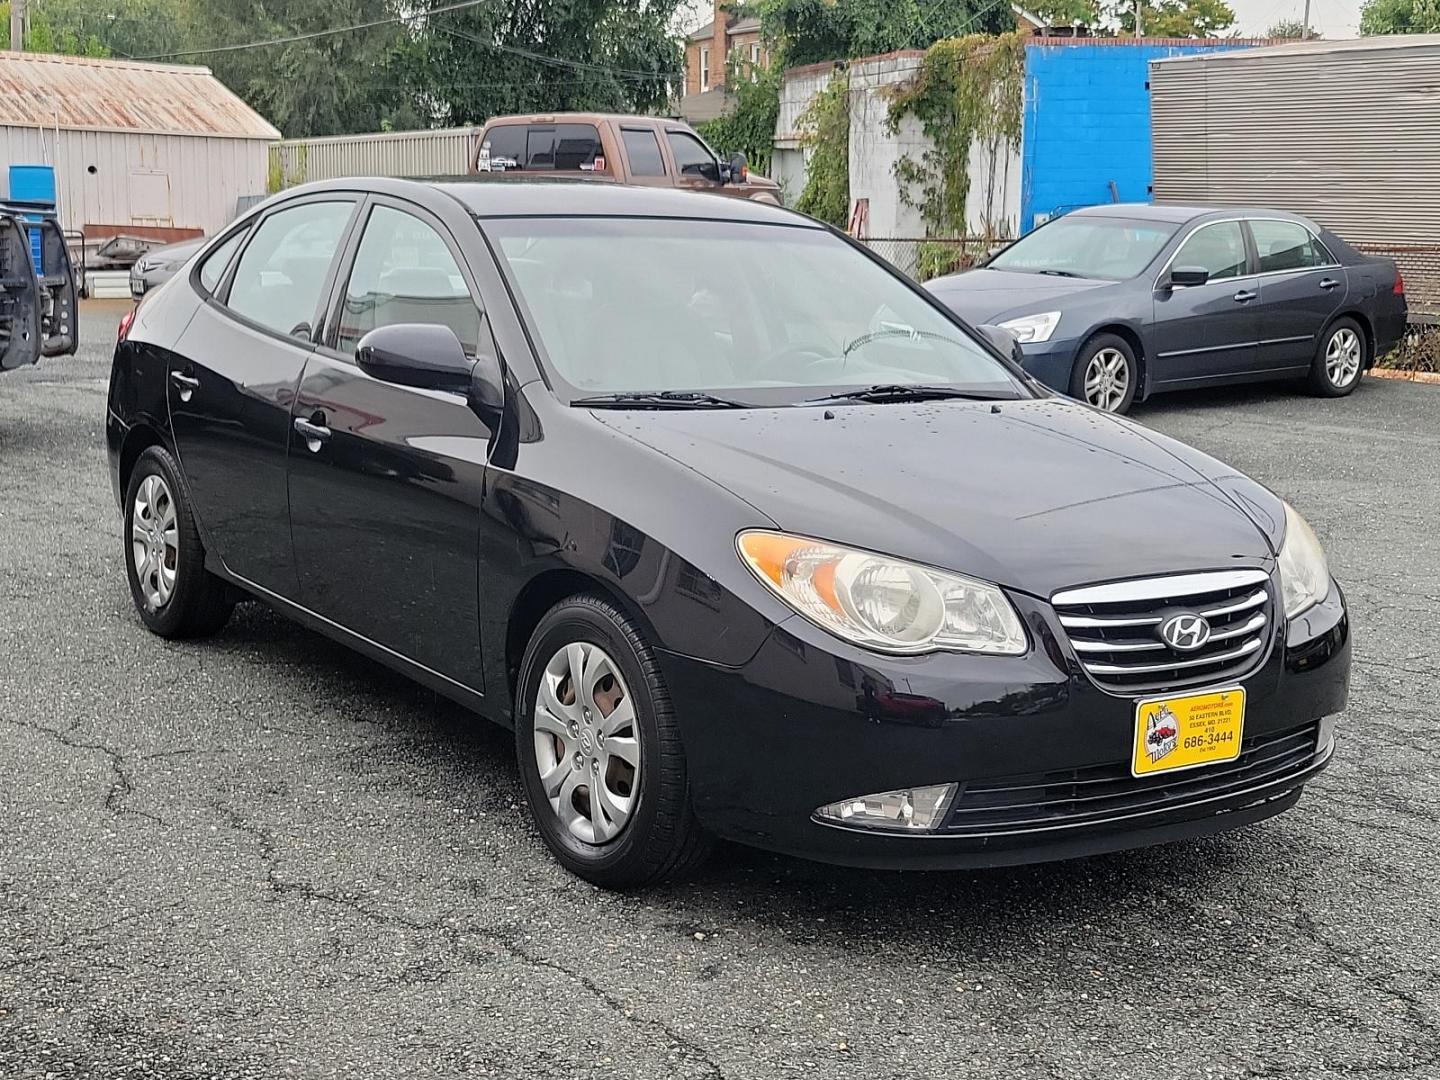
{"points": [[759, 314], [1108, 248]]}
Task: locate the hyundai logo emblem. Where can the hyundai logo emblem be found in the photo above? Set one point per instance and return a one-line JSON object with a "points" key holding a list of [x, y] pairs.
{"points": [[1185, 632]]}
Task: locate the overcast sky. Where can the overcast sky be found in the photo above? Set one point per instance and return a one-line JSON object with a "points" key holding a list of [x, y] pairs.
{"points": [[1332, 18]]}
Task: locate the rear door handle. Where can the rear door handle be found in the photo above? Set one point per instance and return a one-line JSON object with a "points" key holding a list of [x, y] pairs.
{"points": [[1328, 283], [1243, 295], [186, 384], [315, 435]]}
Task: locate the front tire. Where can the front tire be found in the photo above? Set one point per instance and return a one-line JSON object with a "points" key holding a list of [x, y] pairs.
{"points": [[1106, 374], [1339, 359], [174, 594], [599, 751]]}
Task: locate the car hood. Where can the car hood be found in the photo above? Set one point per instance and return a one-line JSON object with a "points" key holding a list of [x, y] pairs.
{"points": [[1034, 495], [985, 295]]}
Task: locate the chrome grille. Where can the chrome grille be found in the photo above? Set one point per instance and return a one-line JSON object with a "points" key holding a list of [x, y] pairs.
{"points": [[1115, 628]]}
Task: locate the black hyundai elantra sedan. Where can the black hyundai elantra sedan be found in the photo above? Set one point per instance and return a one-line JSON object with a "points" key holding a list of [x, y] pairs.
{"points": [[744, 534]]}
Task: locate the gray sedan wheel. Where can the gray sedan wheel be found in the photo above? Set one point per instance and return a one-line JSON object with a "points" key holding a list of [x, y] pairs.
{"points": [[1340, 359], [1106, 374]]}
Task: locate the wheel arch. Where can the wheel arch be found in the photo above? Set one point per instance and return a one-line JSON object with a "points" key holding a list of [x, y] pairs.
{"points": [[539, 595], [1367, 328], [141, 436], [1132, 338]]}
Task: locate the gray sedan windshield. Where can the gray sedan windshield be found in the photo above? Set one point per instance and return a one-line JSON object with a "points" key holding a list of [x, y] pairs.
{"points": [[1108, 248]]}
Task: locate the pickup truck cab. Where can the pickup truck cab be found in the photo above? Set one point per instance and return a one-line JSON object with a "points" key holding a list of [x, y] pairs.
{"points": [[645, 151]]}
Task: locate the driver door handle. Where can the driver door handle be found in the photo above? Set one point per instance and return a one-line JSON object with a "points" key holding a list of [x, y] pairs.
{"points": [[1328, 283], [186, 384], [315, 435], [1243, 295]]}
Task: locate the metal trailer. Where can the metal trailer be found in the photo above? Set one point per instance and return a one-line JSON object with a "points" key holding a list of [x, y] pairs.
{"points": [[442, 152], [1345, 132]]}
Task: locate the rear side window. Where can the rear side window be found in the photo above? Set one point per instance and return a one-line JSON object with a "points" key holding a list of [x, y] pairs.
{"points": [[213, 268], [282, 271], [643, 150], [1286, 245], [404, 273], [542, 147]]}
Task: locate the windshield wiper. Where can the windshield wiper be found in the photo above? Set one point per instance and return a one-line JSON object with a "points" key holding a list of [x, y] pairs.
{"points": [[659, 399], [913, 392], [1059, 273]]}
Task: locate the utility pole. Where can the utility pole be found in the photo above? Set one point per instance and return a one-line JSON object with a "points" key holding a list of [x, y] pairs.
{"points": [[1305, 29], [17, 25], [1139, 31]]}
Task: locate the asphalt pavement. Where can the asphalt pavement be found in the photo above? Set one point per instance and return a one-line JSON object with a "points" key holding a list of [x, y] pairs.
{"points": [[262, 856]]}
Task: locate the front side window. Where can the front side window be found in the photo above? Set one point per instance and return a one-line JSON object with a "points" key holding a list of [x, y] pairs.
{"points": [[1218, 248], [213, 268], [282, 270], [1286, 245], [692, 157], [404, 273], [1104, 248], [643, 150], [625, 306]]}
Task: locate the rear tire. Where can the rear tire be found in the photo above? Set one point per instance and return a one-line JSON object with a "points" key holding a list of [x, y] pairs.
{"points": [[1106, 374], [174, 594], [575, 737], [1340, 359]]}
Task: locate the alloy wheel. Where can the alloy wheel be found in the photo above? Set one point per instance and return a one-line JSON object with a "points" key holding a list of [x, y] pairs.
{"points": [[587, 743], [1342, 357], [155, 541], [1107, 379]]}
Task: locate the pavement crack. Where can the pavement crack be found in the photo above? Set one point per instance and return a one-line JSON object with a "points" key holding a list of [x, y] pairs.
{"points": [[121, 786]]}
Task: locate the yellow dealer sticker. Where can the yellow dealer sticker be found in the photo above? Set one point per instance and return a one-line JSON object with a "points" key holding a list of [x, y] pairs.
{"points": [[1174, 733]]}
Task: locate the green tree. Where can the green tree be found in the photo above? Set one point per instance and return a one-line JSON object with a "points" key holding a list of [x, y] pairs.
{"points": [[1400, 17], [1290, 30], [749, 127], [812, 31], [1067, 12], [1175, 18]]}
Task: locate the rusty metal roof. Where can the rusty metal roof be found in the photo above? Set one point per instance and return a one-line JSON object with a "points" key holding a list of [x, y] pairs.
{"points": [[81, 92]]}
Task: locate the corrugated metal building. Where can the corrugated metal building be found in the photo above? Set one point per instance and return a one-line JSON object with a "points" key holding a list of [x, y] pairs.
{"points": [[1346, 132], [441, 152], [157, 150]]}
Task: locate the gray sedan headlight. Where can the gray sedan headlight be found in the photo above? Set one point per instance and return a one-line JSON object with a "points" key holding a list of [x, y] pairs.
{"points": [[1304, 574], [880, 602]]}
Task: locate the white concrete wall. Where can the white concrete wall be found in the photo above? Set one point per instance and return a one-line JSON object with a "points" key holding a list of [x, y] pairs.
{"points": [[181, 181], [993, 204]]}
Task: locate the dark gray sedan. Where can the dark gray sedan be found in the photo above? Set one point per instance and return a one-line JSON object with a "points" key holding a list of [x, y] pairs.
{"points": [[1114, 303]]}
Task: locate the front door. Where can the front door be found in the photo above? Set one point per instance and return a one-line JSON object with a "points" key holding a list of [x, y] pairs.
{"points": [[1301, 287], [233, 376], [386, 480], [1206, 331], [695, 166]]}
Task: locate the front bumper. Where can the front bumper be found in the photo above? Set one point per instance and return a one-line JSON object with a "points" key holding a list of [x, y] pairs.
{"points": [[1052, 362], [809, 721]]}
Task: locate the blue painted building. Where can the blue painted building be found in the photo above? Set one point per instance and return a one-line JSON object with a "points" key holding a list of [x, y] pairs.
{"points": [[1087, 120]]}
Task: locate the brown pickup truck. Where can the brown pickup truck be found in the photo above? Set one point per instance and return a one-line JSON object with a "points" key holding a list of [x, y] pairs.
{"points": [[640, 150]]}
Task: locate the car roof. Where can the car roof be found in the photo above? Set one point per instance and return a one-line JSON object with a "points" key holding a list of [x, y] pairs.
{"points": [[578, 118], [498, 195], [1183, 214]]}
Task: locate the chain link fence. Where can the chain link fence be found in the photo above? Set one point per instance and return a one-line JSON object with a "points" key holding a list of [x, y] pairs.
{"points": [[923, 258]]}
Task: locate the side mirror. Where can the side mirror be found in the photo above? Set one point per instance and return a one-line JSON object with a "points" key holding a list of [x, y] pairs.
{"points": [[1183, 277], [1005, 342], [424, 355], [738, 170]]}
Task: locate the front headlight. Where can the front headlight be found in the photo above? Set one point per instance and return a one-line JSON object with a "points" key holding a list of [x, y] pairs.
{"points": [[1304, 575], [880, 602], [1033, 328]]}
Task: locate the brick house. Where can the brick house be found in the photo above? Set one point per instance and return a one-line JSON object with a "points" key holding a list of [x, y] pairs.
{"points": [[731, 33]]}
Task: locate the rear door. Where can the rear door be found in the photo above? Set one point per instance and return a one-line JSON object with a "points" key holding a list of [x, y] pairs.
{"points": [[234, 372], [1301, 287], [645, 162], [385, 480], [1206, 331], [20, 303]]}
